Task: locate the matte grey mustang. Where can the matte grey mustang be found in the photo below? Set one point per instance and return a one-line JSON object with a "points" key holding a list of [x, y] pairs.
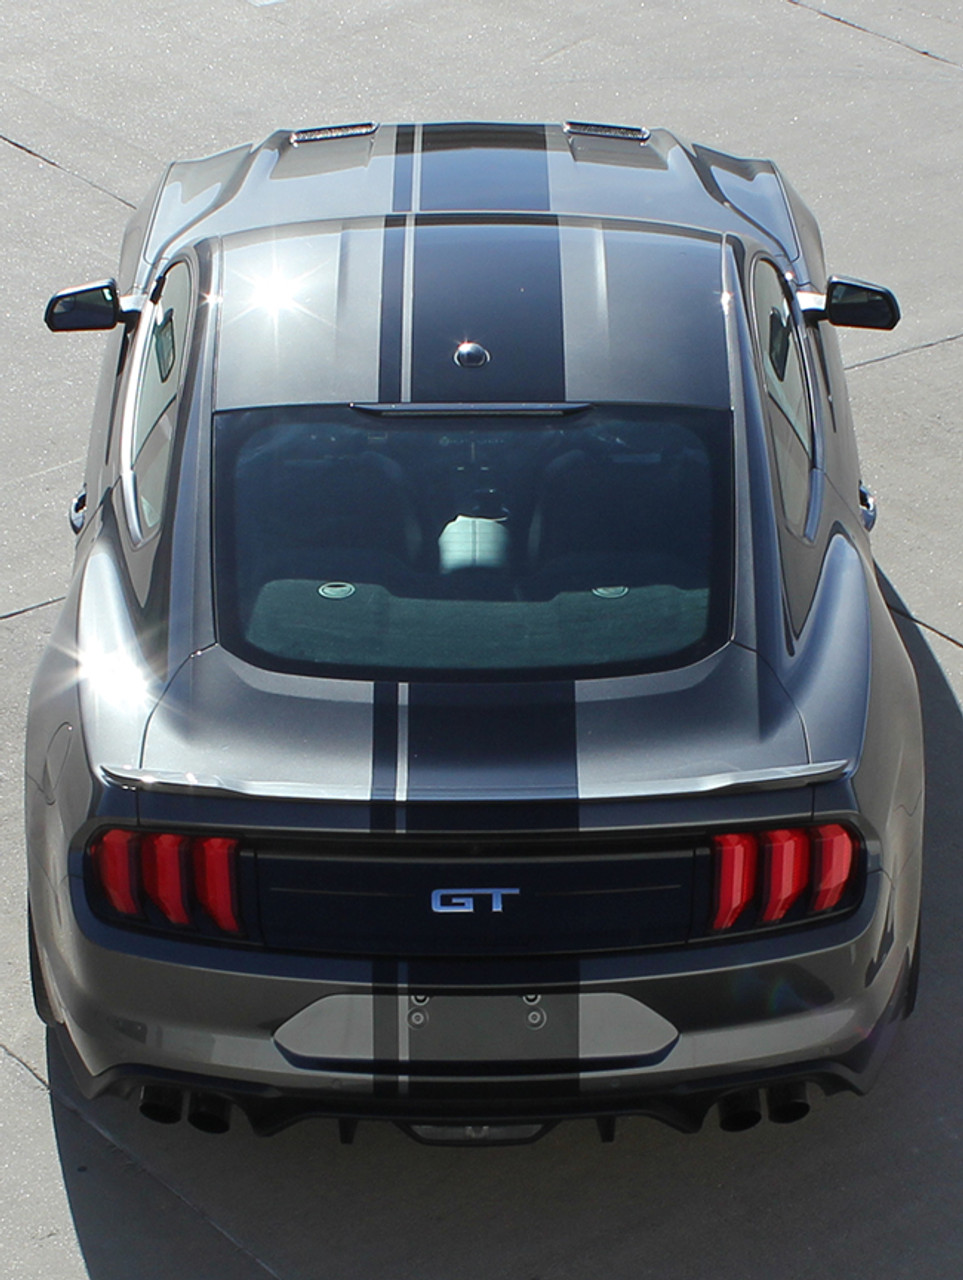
{"points": [[474, 704]]}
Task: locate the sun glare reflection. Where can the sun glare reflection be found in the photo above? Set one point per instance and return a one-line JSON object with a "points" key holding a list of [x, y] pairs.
{"points": [[114, 676], [275, 293], [278, 294]]}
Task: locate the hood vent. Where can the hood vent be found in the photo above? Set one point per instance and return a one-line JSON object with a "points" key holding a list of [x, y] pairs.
{"points": [[606, 130], [329, 132]]}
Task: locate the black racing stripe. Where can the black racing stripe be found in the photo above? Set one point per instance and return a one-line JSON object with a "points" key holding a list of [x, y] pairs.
{"points": [[392, 282], [404, 168], [384, 755], [470, 166], [510, 817], [497, 282], [383, 815], [385, 1030], [466, 740]]}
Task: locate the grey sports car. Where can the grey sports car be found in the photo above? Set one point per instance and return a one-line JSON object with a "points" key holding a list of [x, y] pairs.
{"points": [[474, 704]]}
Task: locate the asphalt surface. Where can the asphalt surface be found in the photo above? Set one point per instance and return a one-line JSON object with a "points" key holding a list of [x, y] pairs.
{"points": [[862, 103]]}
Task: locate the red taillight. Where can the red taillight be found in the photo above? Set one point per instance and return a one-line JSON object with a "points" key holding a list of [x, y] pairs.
{"points": [[213, 860], [832, 865], [735, 877], [172, 873], [113, 857], [786, 871], [162, 860], [759, 878]]}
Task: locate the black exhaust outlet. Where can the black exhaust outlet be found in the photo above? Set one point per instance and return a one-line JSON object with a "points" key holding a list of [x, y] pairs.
{"points": [[740, 1111], [788, 1102], [209, 1113], [161, 1103]]}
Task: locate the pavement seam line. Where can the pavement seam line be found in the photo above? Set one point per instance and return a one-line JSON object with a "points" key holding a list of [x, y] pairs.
{"points": [[15, 1057], [71, 173], [44, 471], [69, 1105], [31, 608], [879, 35], [906, 351], [911, 617]]}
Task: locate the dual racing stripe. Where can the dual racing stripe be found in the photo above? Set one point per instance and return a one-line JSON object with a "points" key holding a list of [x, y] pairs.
{"points": [[465, 167], [474, 756], [468, 167], [389, 753], [493, 279], [445, 755]]}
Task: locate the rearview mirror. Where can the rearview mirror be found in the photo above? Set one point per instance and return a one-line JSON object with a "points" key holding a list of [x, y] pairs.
{"points": [[859, 305], [92, 306]]}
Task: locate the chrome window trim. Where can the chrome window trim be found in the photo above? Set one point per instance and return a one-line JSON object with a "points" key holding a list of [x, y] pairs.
{"points": [[138, 355]]}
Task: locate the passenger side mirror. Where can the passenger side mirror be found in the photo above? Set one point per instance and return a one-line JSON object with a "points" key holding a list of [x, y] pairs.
{"points": [[92, 306], [858, 305]]}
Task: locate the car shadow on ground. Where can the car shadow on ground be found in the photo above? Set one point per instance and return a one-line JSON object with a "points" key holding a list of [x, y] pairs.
{"points": [[807, 1200]]}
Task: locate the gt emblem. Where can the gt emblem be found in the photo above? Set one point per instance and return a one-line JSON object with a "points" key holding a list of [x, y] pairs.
{"points": [[464, 899]]}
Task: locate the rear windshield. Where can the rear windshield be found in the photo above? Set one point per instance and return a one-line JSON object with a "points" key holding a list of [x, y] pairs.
{"points": [[563, 545]]}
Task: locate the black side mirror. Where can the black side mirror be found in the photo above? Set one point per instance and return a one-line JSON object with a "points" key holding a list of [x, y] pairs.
{"points": [[859, 305], [92, 306]]}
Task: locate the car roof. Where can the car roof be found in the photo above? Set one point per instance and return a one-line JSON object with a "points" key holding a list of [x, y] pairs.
{"points": [[375, 310], [585, 259]]}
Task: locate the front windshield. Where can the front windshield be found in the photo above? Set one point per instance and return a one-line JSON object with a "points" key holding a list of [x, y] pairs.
{"points": [[371, 545]]}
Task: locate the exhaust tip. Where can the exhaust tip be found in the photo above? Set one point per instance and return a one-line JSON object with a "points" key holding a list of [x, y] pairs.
{"points": [[209, 1113], [161, 1103], [788, 1102], [740, 1111]]}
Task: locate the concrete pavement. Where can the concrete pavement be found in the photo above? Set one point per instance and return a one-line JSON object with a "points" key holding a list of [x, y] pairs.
{"points": [[861, 102]]}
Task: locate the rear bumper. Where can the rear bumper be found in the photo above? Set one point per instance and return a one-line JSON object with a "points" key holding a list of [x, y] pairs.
{"points": [[665, 1034]]}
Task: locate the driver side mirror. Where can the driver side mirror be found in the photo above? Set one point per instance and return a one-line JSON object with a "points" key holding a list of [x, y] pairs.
{"points": [[92, 306], [859, 305]]}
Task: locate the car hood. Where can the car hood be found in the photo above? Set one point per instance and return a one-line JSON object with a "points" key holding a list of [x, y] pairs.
{"points": [[715, 725]]}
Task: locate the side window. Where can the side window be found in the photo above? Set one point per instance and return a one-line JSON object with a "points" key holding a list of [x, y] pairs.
{"points": [[785, 377], [155, 407]]}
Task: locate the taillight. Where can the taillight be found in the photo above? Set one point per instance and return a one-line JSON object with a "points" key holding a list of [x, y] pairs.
{"points": [[786, 863], [764, 877], [186, 879], [214, 880], [834, 857], [113, 858], [735, 879], [162, 863]]}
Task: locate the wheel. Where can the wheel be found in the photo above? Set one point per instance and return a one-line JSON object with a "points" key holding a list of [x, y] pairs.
{"points": [[41, 1001]]}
